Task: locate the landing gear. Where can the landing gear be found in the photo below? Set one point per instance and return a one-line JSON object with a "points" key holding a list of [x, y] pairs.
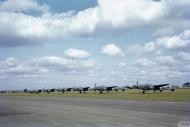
{"points": [[63, 91]]}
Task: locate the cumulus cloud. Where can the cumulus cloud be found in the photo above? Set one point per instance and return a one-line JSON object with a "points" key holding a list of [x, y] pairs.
{"points": [[144, 62], [175, 42], [149, 47], [45, 65], [165, 68], [75, 53], [185, 35], [166, 61], [35, 23], [163, 32], [14, 67], [63, 64], [45, 72], [183, 56], [111, 50], [126, 13]]}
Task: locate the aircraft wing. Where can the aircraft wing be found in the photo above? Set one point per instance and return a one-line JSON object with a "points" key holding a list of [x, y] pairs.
{"points": [[110, 87], [161, 85], [85, 88]]}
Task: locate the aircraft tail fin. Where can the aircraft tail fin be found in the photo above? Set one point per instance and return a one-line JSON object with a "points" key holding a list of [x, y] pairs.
{"points": [[137, 83]]}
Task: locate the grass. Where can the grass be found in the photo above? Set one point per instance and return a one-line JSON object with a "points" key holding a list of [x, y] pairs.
{"points": [[178, 95]]}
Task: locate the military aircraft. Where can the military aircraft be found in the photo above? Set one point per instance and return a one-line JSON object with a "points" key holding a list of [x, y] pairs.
{"points": [[147, 86], [82, 89], [123, 88], [47, 91], [65, 90], [103, 88]]}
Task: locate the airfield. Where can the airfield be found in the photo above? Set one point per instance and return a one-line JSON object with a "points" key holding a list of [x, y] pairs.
{"points": [[130, 94], [40, 111], [113, 109]]}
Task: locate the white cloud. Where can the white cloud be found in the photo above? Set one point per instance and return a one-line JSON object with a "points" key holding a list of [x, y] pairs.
{"points": [[150, 47], [144, 62], [124, 13], [9, 62], [183, 56], [75, 53], [63, 64], [179, 41], [24, 70], [173, 42], [107, 15], [49, 64], [185, 35], [163, 32], [111, 50], [166, 61], [14, 67], [46, 72], [164, 68], [135, 49]]}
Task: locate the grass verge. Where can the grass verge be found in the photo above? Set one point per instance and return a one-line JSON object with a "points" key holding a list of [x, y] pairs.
{"points": [[178, 95]]}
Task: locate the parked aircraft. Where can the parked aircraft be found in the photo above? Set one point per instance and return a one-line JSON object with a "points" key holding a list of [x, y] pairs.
{"points": [[82, 89], [65, 90], [147, 86], [123, 88], [103, 88]]}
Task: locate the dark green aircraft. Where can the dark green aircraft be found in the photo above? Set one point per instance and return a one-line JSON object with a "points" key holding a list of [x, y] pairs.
{"points": [[103, 88]]}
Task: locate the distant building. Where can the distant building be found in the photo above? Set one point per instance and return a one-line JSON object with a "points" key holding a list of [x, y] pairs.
{"points": [[186, 85]]}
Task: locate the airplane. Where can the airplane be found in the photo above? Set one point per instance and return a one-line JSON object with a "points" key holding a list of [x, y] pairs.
{"points": [[65, 90], [172, 88], [123, 88], [54, 90], [80, 89], [147, 86], [35, 91], [48, 90], [103, 88]]}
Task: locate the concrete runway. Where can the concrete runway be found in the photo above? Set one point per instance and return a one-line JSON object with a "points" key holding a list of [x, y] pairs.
{"points": [[77, 112]]}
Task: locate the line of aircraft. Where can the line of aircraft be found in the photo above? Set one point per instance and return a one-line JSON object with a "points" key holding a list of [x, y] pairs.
{"points": [[141, 87]]}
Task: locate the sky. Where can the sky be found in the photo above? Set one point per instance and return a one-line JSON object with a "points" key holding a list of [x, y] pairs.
{"points": [[66, 43]]}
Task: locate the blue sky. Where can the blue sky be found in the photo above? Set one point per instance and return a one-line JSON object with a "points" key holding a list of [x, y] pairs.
{"points": [[54, 44], [60, 6]]}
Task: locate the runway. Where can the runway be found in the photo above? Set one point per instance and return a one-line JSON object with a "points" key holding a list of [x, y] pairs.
{"points": [[78, 112]]}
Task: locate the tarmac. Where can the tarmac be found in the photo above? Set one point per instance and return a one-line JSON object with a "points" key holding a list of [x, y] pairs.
{"points": [[78, 112]]}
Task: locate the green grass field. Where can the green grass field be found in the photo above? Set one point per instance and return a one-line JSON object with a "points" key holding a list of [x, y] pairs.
{"points": [[178, 95]]}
